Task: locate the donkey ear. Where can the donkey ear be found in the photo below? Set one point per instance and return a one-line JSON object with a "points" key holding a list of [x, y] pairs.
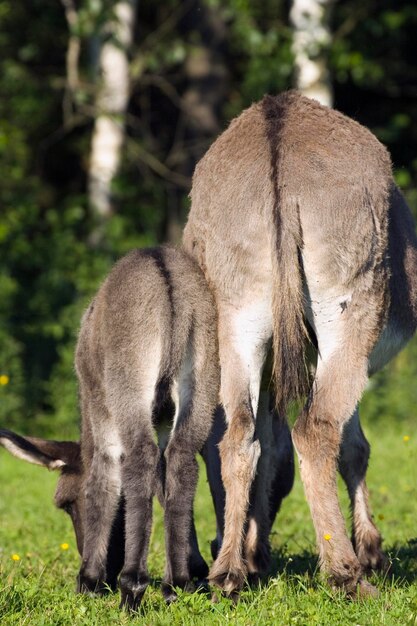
{"points": [[50, 454]]}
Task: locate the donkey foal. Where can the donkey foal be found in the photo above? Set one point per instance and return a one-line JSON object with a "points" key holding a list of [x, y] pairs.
{"points": [[149, 335]]}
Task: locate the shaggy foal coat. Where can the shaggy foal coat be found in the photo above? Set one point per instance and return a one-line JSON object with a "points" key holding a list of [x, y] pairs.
{"points": [[148, 336]]}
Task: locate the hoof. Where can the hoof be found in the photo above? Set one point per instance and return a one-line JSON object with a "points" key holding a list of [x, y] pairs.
{"points": [[89, 585], [169, 593], [234, 597], [132, 590], [259, 562], [228, 581], [363, 591], [372, 559]]}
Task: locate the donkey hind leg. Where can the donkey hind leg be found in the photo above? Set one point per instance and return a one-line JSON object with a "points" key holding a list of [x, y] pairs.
{"points": [[180, 485], [243, 339], [198, 568], [353, 463], [273, 482], [343, 337], [139, 478], [102, 496]]}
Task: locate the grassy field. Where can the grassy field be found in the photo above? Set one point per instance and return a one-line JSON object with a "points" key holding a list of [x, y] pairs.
{"points": [[38, 587]]}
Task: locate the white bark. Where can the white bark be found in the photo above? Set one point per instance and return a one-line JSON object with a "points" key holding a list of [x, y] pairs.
{"points": [[309, 19], [112, 101]]}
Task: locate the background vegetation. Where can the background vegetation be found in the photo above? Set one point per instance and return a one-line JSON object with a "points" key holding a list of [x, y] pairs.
{"points": [[192, 67]]}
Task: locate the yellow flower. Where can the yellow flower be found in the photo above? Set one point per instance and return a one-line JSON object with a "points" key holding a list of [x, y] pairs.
{"points": [[15, 557], [327, 537], [4, 379], [406, 438], [64, 546]]}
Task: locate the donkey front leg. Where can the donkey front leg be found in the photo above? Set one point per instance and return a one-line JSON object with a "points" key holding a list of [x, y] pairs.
{"points": [[353, 463], [139, 477], [274, 480], [257, 549], [102, 495], [243, 338], [211, 456]]}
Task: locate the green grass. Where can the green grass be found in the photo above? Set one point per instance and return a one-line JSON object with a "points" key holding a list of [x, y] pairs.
{"points": [[39, 588]]}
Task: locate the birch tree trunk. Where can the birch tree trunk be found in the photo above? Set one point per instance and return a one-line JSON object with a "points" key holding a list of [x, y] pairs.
{"points": [[310, 21], [112, 101]]}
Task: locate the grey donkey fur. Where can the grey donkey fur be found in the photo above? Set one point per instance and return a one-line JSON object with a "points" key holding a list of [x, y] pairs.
{"points": [[277, 471], [274, 480], [148, 335], [297, 224]]}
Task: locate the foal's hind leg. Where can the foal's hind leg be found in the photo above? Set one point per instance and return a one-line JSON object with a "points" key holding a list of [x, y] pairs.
{"points": [[353, 463], [139, 478], [180, 485], [196, 393]]}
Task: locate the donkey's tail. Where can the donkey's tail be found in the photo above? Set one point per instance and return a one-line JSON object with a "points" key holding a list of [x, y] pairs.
{"points": [[289, 331]]}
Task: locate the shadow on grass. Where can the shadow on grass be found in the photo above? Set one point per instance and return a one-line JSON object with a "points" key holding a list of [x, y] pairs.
{"points": [[403, 560], [303, 563], [402, 571]]}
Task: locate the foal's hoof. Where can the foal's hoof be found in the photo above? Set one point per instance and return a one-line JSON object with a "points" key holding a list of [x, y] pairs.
{"points": [[89, 585], [169, 593], [132, 589]]}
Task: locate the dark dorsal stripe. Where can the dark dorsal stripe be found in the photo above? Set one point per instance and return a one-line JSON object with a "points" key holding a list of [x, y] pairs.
{"points": [[274, 110], [164, 384]]}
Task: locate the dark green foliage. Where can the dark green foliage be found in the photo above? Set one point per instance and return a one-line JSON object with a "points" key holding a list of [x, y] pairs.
{"points": [[54, 251]]}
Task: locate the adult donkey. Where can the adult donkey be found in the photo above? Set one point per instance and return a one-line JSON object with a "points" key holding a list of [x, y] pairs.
{"points": [[300, 230]]}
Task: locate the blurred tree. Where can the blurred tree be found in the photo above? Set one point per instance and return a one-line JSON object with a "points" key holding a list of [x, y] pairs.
{"points": [[311, 40], [193, 65], [111, 105]]}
